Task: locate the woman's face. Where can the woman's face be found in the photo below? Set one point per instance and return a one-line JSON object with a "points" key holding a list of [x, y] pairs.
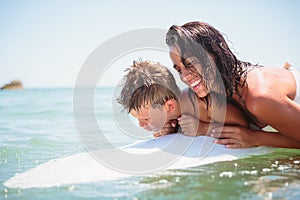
{"points": [[190, 75]]}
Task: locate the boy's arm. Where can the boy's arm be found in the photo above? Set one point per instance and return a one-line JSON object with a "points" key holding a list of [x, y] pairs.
{"points": [[194, 118], [226, 113], [192, 126]]}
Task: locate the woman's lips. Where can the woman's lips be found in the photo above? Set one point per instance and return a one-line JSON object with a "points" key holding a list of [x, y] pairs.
{"points": [[195, 85]]}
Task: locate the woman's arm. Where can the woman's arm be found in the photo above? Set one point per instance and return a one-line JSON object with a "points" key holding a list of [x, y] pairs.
{"points": [[269, 100], [283, 115], [242, 137]]}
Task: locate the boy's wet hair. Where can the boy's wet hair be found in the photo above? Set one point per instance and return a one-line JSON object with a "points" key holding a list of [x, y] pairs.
{"points": [[147, 83]]}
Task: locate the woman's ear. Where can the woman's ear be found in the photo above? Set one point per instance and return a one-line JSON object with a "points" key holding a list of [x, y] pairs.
{"points": [[170, 105]]}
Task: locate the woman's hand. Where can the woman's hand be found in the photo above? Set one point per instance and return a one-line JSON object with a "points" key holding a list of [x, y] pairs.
{"points": [[235, 137], [170, 127]]}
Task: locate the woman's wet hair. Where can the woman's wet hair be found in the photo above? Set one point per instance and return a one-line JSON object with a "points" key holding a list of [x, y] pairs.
{"points": [[208, 46]]}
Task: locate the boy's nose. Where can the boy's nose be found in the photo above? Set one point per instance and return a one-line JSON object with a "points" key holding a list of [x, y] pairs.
{"points": [[142, 124]]}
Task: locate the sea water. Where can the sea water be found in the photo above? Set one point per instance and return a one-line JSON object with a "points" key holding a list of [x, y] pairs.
{"points": [[37, 125]]}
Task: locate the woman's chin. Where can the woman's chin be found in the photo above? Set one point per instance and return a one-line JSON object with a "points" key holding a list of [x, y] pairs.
{"points": [[201, 94]]}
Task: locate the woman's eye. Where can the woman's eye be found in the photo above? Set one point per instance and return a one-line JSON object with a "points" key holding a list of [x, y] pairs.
{"points": [[189, 65]]}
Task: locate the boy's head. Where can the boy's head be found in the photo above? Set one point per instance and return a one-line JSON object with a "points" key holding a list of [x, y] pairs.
{"points": [[150, 93]]}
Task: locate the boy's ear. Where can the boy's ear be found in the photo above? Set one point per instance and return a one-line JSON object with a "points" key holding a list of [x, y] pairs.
{"points": [[170, 105]]}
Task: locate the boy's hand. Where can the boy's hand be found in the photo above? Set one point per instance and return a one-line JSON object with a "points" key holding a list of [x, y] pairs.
{"points": [[170, 127], [189, 125]]}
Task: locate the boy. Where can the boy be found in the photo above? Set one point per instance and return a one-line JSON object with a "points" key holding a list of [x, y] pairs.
{"points": [[150, 94]]}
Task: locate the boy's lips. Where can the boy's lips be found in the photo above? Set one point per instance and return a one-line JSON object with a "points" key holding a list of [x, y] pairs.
{"points": [[149, 128]]}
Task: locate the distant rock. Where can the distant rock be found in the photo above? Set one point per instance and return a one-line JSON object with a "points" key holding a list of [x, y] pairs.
{"points": [[14, 85]]}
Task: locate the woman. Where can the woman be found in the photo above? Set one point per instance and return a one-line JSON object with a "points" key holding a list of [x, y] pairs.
{"points": [[267, 96]]}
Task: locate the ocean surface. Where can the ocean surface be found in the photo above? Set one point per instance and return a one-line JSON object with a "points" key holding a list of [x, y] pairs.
{"points": [[38, 125]]}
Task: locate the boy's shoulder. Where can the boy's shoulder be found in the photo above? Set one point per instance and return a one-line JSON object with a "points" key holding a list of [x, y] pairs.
{"points": [[188, 101], [186, 95], [192, 105]]}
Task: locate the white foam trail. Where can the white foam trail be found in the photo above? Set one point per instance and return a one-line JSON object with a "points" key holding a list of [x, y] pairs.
{"points": [[83, 168]]}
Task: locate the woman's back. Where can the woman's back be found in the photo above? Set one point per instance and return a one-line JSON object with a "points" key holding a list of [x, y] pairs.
{"points": [[273, 83], [269, 96]]}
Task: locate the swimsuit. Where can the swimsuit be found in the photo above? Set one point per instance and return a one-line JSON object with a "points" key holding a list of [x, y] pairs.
{"points": [[296, 74]]}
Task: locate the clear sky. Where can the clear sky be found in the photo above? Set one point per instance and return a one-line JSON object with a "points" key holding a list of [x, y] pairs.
{"points": [[44, 43]]}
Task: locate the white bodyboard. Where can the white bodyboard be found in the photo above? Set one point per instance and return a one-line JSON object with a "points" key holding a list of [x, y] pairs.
{"points": [[84, 168]]}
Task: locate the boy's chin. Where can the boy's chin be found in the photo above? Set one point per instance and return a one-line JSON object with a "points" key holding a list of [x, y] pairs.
{"points": [[152, 129], [155, 130]]}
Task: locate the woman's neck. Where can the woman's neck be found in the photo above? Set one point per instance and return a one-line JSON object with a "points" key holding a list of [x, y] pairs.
{"points": [[241, 91]]}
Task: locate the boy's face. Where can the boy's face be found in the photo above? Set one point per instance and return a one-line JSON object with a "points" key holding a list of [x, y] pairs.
{"points": [[151, 119]]}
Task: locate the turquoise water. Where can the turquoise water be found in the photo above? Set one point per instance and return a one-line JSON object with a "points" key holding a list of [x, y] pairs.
{"points": [[37, 125]]}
